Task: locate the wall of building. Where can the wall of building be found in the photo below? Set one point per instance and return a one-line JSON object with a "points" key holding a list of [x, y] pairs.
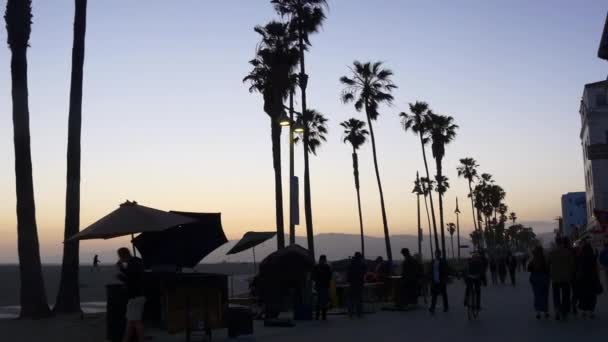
{"points": [[574, 212]]}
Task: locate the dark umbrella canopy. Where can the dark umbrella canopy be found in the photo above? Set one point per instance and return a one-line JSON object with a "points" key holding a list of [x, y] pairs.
{"points": [[185, 245], [288, 263], [250, 240], [131, 218]]}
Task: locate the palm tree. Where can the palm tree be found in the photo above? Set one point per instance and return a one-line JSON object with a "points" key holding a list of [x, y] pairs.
{"points": [[452, 230], [418, 191], [468, 170], [418, 123], [305, 17], [356, 134], [442, 131], [315, 131], [427, 190], [513, 217], [33, 299], [369, 86], [68, 296], [275, 58]]}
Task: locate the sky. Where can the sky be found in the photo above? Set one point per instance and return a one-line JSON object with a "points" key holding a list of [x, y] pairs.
{"points": [[168, 122]]}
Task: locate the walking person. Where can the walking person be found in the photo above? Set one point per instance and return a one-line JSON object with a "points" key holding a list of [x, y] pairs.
{"points": [[484, 267], [322, 275], [539, 279], [512, 266], [131, 273], [96, 263], [588, 281], [493, 270], [356, 277], [409, 279], [561, 267], [439, 280]]}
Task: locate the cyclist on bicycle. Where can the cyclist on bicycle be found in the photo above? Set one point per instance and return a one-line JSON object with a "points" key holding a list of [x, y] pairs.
{"points": [[473, 278]]}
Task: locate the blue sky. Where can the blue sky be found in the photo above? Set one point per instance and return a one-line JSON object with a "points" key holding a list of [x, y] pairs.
{"points": [[168, 122]]}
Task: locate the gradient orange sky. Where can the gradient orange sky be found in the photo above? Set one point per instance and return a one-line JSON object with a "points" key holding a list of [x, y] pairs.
{"points": [[168, 122]]}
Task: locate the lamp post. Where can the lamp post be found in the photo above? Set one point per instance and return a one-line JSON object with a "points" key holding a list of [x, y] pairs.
{"points": [[457, 212]]}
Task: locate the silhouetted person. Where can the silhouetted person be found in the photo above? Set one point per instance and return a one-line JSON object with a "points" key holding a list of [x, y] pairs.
{"points": [[439, 280], [484, 264], [588, 281], [574, 284], [539, 279], [383, 272], [493, 270], [131, 273], [501, 264], [474, 276], [322, 274], [512, 266], [410, 275], [561, 266], [356, 278], [96, 262]]}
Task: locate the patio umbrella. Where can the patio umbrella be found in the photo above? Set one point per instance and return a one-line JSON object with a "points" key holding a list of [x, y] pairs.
{"points": [[288, 263], [250, 240], [184, 245], [131, 218]]}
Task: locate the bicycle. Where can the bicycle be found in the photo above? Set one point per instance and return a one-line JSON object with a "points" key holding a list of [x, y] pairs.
{"points": [[471, 298]]}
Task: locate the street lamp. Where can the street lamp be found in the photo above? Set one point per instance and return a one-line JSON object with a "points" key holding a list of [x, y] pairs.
{"points": [[284, 120], [298, 127]]}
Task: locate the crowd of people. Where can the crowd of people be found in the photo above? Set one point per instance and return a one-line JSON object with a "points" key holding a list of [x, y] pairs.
{"points": [[571, 273]]}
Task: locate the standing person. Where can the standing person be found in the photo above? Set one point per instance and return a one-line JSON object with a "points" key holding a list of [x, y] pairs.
{"points": [[512, 265], [439, 280], [502, 268], [604, 261], [355, 276], [493, 270], [561, 266], [96, 262], [322, 274], [409, 278], [131, 273], [588, 281], [383, 272], [539, 279]]}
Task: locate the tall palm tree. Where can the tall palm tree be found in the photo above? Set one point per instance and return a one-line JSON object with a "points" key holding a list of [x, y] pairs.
{"points": [[452, 230], [513, 217], [305, 17], [369, 86], [418, 122], [33, 299], [418, 191], [275, 59], [427, 189], [68, 296], [356, 134], [315, 131], [442, 132], [468, 170]]}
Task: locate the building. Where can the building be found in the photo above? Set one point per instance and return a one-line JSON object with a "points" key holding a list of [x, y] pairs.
{"points": [[594, 141], [602, 52], [574, 213]]}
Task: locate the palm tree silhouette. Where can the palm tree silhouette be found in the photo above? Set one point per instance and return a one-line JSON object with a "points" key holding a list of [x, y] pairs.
{"points": [[418, 191], [427, 189], [68, 296], [418, 122], [452, 230], [315, 131], [442, 131], [368, 86], [33, 298], [468, 170], [513, 217], [275, 59], [356, 134], [305, 17]]}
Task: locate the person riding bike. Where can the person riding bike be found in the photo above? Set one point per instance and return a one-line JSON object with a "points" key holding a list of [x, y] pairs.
{"points": [[473, 279]]}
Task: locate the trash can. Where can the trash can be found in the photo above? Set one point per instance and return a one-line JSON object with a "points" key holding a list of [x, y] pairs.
{"points": [[116, 307], [240, 321]]}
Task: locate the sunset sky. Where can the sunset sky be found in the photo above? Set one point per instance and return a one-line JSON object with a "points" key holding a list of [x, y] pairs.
{"points": [[168, 122]]}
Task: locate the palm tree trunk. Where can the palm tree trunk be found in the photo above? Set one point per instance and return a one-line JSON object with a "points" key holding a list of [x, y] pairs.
{"points": [[68, 296], [278, 184], [307, 201], [428, 218], [32, 293], [428, 176], [458, 234], [356, 174], [387, 239], [472, 205], [439, 177]]}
